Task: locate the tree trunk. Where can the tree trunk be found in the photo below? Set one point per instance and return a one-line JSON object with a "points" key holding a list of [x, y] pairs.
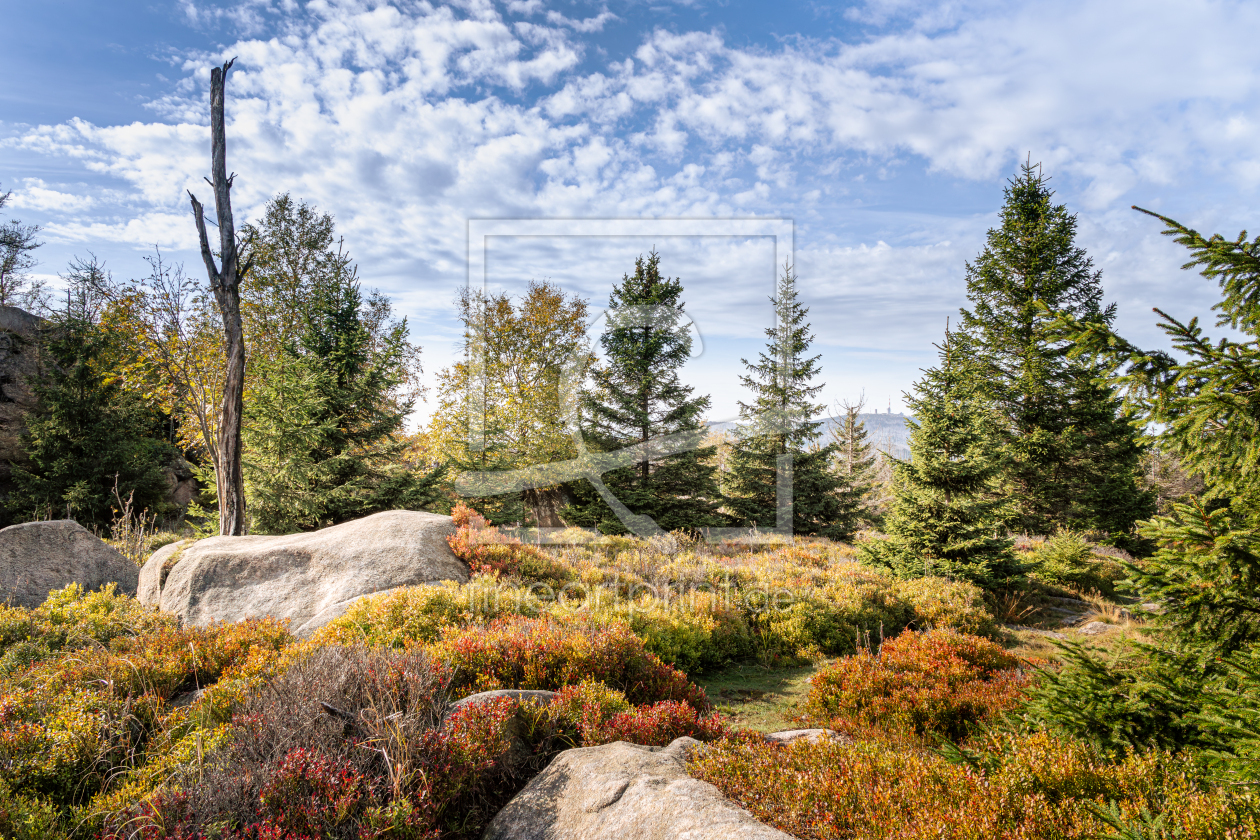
{"points": [[544, 504], [225, 283]]}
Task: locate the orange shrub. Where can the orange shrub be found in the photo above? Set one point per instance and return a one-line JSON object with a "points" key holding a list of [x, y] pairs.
{"points": [[488, 551], [1037, 787], [550, 653], [940, 682]]}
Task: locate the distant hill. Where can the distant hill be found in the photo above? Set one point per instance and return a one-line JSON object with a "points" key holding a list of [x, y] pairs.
{"points": [[887, 432]]}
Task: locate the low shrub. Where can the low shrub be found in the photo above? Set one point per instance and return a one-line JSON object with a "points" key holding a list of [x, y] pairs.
{"points": [[695, 631], [550, 653], [27, 818], [600, 715], [948, 605], [77, 721], [69, 619], [418, 613], [1068, 559], [345, 742], [828, 619], [938, 682], [1036, 787], [488, 551]]}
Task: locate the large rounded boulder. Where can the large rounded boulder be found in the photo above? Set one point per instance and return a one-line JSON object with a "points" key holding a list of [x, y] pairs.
{"points": [[309, 578], [38, 557], [623, 790]]}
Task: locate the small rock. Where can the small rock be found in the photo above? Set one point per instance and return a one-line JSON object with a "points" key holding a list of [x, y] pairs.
{"points": [[620, 790], [811, 736], [537, 696], [1095, 628], [39, 557], [179, 701]]}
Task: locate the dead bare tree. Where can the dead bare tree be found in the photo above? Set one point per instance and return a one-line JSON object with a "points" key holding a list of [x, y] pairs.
{"points": [[225, 283]]}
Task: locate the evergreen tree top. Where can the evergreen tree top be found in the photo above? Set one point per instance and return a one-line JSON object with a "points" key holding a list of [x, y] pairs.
{"points": [[647, 339], [780, 379], [1031, 257], [647, 286]]}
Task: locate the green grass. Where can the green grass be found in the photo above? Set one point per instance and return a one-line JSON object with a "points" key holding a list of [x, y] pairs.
{"points": [[758, 697]]}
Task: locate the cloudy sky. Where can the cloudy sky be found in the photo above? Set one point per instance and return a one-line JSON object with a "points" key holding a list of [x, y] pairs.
{"points": [[881, 133]]}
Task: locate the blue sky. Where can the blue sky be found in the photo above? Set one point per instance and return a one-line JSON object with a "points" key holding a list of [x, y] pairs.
{"points": [[883, 130]]}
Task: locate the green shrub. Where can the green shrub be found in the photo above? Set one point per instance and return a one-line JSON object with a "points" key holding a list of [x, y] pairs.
{"points": [[1068, 559], [695, 632], [418, 613], [948, 605], [827, 620], [84, 695], [71, 618], [26, 818]]}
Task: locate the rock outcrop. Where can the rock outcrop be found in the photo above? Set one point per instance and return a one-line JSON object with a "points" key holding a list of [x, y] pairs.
{"points": [[181, 483], [624, 790], [38, 557], [308, 578], [812, 736], [536, 696]]}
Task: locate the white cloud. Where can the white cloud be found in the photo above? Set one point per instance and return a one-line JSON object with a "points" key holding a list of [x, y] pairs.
{"points": [[35, 195], [404, 120], [164, 230]]}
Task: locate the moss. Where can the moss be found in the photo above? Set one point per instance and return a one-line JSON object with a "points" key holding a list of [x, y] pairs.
{"points": [[169, 562]]}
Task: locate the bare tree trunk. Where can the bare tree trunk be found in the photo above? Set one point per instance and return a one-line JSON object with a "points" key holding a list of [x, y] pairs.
{"points": [[545, 503], [225, 283]]}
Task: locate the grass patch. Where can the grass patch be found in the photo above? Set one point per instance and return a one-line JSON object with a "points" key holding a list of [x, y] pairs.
{"points": [[757, 697]]}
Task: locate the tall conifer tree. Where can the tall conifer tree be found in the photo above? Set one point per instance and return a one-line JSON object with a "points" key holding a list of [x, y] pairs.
{"points": [[1193, 679], [855, 466], [327, 405], [943, 516], [90, 441], [637, 398], [780, 422], [1068, 460]]}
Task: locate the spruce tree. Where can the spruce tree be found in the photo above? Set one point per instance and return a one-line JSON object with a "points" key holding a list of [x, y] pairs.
{"points": [[89, 441], [637, 397], [944, 516], [326, 409], [1068, 459], [855, 466], [779, 423], [1193, 682]]}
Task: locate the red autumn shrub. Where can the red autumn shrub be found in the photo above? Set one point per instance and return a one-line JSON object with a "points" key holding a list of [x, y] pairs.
{"points": [[600, 715], [488, 551], [550, 653], [314, 794], [478, 731], [941, 682], [659, 724]]}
